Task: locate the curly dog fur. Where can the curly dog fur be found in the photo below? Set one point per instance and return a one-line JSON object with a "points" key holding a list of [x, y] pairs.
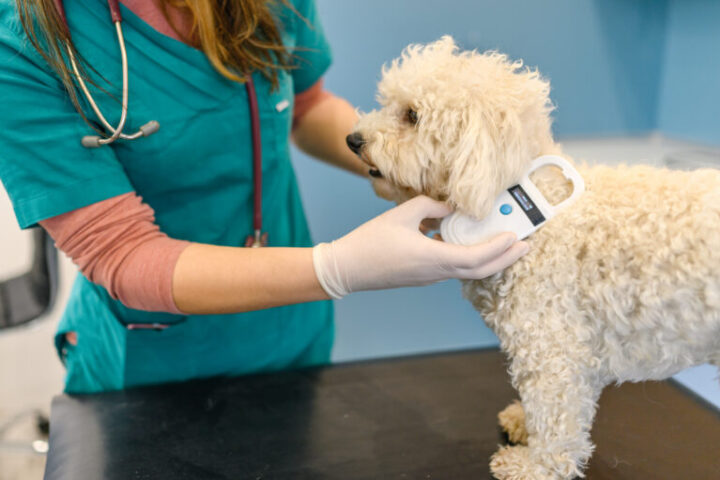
{"points": [[622, 286]]}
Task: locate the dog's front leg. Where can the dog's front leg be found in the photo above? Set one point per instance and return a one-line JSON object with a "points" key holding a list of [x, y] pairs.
{"points": [[559, 402]]}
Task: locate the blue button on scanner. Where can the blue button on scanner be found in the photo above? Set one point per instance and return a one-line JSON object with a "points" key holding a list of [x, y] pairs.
{"points": [[505, 209]]}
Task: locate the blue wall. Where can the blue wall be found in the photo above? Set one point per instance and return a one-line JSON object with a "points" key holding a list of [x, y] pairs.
{"points": [[603, 57], [690, 92]]}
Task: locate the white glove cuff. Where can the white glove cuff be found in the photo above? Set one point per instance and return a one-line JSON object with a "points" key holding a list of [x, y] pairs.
{"points": [[327, 271]]}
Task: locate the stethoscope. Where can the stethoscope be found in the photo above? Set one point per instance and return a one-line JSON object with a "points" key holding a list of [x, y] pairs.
{"points": [[257, 238]]}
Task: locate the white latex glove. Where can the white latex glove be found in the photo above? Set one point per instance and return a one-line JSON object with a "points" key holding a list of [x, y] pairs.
{"points": [[390, 251]]}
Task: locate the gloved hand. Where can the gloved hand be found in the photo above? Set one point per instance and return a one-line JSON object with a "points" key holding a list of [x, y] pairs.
{"points": [[390, 251]]}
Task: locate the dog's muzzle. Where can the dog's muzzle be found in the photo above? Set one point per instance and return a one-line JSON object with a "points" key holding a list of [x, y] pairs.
{"points": [[355, 141]]}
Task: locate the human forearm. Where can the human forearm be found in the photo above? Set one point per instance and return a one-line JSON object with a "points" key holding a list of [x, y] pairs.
{"points": [[321, 133], [116, 244], [212, 279]]}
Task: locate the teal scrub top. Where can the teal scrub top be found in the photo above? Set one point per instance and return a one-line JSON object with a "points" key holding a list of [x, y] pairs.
{"points": [[195, 172]]}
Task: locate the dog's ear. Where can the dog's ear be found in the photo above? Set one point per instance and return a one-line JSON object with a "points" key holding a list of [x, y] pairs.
{"points": [[503, 128], [476, 173]]}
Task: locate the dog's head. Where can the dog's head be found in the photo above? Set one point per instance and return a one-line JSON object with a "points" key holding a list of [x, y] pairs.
{"points": [[456, 126]]}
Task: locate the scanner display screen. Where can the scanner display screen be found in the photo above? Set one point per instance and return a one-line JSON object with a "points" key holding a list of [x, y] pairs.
{"points": [[527, 205]]}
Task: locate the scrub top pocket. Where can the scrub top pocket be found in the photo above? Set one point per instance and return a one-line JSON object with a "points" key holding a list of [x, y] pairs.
{"points": [[170, 354]]}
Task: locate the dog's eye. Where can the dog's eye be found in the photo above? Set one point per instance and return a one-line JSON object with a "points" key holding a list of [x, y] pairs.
{"points": [[411, 116]]}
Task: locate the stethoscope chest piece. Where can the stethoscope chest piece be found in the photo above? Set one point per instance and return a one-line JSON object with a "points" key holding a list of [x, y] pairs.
{"points": [[257, 240]]}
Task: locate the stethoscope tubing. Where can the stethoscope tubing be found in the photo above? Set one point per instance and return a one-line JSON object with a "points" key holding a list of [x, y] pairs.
{"points": [[257, 156], [116, 131], [94, 141]]}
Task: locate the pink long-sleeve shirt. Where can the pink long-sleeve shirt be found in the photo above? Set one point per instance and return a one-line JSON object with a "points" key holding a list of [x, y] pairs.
{"points": [[115, 242]]}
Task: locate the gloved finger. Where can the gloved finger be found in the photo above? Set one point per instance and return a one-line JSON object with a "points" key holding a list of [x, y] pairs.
{"points": [[473, 256], [421, 207], [507, 258]]}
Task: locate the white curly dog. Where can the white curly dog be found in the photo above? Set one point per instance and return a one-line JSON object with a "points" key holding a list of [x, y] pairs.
{"points": [[624, 285]]}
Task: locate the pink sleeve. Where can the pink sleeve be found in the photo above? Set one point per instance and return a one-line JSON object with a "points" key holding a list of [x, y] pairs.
{"points": [[117, 244]]}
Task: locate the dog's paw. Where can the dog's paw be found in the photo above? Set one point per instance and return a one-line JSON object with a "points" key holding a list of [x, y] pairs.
{"points": [[509, 463], [514, 463], [518, 462], [512, 421]]}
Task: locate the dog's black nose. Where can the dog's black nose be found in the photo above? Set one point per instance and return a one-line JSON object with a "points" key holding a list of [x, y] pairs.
{"points": [[355, 141]]}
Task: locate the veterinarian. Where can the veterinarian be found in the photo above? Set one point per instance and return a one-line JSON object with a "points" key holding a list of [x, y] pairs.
{"points": [[167, 290]]}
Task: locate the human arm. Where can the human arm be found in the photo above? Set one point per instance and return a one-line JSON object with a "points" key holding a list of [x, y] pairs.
{"points": [[116, 244], [321, 131], [388, 251]]}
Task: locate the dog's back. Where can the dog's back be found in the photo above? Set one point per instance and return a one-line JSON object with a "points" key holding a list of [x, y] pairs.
{"points": [[633, 266]]}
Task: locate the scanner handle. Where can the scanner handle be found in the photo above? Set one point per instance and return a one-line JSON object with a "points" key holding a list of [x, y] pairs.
{"points": [[568, 172]]}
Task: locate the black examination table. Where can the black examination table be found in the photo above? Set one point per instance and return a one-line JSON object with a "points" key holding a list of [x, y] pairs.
{"points": [[428, 417]]}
